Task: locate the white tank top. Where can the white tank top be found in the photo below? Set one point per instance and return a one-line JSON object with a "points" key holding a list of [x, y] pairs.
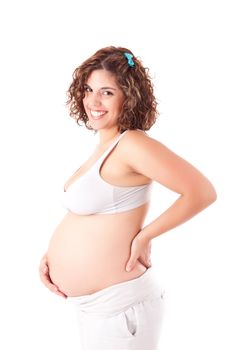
{"points": [[90, 194]]}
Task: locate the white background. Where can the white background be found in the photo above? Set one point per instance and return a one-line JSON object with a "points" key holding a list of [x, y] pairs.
{"points": [[187, 46]]}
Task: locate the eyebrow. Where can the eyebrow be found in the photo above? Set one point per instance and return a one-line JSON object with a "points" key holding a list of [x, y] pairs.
{"points": [[103, 88]]}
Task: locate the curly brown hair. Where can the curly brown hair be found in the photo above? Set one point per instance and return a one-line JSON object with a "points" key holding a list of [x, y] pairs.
{"points": [[139, 110]]}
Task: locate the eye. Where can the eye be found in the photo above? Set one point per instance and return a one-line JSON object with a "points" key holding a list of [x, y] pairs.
{"points": [[87, 88], [107, 93]]}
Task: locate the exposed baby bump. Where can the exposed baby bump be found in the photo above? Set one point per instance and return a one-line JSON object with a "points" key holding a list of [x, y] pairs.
{"points": [[87, 273], [87, 255]]}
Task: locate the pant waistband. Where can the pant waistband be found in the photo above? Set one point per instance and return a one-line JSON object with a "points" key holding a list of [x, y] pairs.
{"points": [[119, 297]]}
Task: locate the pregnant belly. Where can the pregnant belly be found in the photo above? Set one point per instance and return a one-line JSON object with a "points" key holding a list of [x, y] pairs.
{"points": [[87, 254]]}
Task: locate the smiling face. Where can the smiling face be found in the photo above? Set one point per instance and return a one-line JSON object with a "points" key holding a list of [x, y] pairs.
{"points": [[103, 99]]}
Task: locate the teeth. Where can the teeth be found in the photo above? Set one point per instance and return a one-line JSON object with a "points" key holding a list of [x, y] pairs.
{"points": [[97, 114]]}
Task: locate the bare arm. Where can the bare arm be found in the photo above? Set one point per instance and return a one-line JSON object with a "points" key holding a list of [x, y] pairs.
{"points": [[154, 160]]}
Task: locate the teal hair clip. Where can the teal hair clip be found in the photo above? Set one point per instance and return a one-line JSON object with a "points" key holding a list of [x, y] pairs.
{"points": [[129, 58]]}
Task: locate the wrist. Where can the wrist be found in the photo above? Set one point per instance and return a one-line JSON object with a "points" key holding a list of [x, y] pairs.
{"points": [[142, 236]]}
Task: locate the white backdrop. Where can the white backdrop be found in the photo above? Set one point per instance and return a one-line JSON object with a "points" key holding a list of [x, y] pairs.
{"points": [[187, 46]]}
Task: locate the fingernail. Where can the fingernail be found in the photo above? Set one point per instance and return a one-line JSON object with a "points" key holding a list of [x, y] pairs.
{"points": [[128, 268], [45, 269]]}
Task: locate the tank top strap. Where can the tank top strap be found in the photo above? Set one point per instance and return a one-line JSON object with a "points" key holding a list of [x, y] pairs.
{"points": [[108, 150]]}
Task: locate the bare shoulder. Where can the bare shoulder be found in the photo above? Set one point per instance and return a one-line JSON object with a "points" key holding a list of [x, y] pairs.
{"points": [[150, 157], [137, 149], [138, 140], [135, 136]]}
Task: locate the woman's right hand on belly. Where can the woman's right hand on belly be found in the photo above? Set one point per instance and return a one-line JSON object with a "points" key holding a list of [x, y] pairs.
{"points": [[45, 278]]}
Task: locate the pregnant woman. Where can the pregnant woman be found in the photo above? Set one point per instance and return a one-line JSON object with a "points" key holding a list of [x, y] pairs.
{"points": [[107, 199]]}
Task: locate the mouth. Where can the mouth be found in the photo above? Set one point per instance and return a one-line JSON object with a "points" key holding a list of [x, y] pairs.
{"points": [[97, 114]]}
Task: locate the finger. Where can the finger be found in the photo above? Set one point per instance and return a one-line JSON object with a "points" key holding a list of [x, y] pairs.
{"points": [[146, 263], [43, 268], [53, 288], [130, 265], [61, 294], [45, 278]]}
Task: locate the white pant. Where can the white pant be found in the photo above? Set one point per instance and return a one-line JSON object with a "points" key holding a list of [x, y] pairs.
{"points": [[124, 316]]}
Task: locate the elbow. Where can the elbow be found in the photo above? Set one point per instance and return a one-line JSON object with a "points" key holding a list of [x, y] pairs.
{"points": [[203, 196], [211, 194], [209, 199], [206, 192]]}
